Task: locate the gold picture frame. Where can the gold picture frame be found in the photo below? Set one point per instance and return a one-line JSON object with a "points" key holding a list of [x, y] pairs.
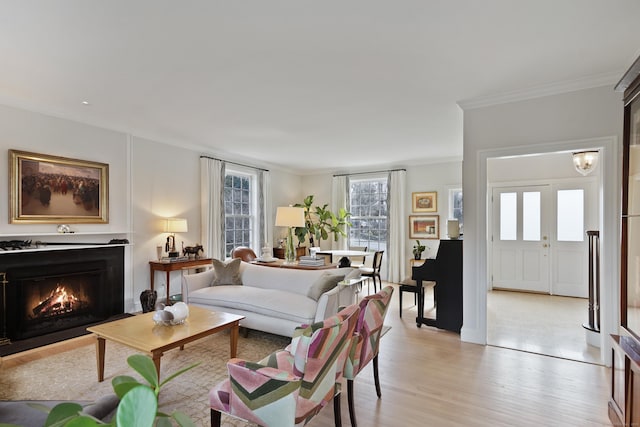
{"points": [[424, 202], [424, 226], [56, 190]]}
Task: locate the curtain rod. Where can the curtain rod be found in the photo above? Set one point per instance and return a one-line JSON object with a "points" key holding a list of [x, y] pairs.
{"points": [[364, 173], [234, 163]]}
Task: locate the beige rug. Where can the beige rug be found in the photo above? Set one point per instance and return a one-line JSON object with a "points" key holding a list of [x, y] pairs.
{"points": [[72, 375]]}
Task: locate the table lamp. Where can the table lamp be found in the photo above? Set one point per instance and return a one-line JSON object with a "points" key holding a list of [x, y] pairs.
{"points": [[173, 226], [289, 216]]}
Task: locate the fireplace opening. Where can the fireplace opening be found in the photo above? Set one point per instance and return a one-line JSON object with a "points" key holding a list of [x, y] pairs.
{"points": [[52, 303], [47, 292]]}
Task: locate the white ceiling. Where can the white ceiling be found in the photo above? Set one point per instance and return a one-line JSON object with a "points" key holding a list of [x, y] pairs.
{"points": [[300, 84]]}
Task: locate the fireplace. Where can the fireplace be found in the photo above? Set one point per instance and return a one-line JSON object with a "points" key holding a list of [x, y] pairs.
{"points": [[57, 290]]}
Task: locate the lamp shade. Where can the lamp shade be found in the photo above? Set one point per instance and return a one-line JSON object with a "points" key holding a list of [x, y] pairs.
{"points": [[289, 216], [585, 161], [176, 225]]}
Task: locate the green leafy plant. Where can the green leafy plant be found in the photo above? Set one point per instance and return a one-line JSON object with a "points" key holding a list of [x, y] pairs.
{"points": [[418, 249], [138, 405], [320, 222]]}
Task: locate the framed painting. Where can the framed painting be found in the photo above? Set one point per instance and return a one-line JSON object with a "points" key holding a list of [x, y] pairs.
{"points": [[52, 189], [425, 202], [424, 226]]}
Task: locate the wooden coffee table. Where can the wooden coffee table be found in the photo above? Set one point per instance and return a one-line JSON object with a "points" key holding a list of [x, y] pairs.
{"points": [[141, 333]]}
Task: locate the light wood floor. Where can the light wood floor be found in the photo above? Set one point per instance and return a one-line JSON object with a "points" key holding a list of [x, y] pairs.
{"points": [[544, 324], [430, 378]]}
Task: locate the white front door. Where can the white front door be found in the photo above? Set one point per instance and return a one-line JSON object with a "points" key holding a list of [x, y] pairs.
{"points": [[520, 238]]}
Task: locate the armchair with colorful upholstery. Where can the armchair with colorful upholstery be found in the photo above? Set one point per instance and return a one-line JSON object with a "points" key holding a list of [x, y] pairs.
{"points": [[289, 387], [365, 346]]}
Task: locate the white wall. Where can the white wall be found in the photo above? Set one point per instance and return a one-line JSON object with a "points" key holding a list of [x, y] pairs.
{"points": [[582, 119]]}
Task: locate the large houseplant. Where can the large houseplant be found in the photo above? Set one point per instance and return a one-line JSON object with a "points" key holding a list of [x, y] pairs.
{"points": [[321, 222]]}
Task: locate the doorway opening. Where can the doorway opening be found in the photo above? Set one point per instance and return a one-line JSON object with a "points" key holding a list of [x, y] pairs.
{"points": [[540, 210]]}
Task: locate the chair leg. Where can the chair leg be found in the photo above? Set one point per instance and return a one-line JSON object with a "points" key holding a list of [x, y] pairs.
{"points": [[352, 409], [400, 295], [216, 417], [376, 378], [336, 410]]}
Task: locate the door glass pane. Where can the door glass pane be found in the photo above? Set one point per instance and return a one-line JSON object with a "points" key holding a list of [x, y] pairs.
{"points": [[508, 216], [570, 215], [531, 216]]}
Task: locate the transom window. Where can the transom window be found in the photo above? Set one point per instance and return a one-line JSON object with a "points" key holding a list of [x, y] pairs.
{"points": [[369, 211]]}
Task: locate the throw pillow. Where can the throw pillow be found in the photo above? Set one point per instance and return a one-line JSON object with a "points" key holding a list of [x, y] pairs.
{"points": [[227, 273], [324, 283]]}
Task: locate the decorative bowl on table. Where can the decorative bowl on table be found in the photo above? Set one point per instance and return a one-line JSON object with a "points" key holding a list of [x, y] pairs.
{"points": [[171, 315]]}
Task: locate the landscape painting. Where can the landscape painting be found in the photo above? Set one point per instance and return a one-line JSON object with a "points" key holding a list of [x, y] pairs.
{"points": [[52, 189]]}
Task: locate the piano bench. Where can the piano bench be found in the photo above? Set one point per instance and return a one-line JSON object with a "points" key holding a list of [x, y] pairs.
{"points": [[409, 285]]}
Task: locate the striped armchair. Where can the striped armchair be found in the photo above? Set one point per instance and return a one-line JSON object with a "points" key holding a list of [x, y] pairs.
{"points": [[290, 386], [366, 343]]}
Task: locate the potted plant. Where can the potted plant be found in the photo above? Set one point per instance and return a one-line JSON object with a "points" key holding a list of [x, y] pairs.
{"points": [[418, 249], [320, 222], [138, 405]]}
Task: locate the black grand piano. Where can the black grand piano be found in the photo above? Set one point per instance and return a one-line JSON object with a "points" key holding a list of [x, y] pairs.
{"points": [[446, 271]]}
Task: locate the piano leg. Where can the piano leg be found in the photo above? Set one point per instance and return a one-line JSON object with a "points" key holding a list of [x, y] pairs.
{"points": [[420, 318]]}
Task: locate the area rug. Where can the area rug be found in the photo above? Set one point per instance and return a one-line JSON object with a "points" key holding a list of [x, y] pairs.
{"points": [[72, 375]]}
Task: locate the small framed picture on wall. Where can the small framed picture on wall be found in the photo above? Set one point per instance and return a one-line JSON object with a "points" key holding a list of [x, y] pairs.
{"points": [[424, 226], [425, 202]]}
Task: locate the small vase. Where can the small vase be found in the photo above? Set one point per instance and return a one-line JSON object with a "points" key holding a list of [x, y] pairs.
{"points": [[417, 256]]}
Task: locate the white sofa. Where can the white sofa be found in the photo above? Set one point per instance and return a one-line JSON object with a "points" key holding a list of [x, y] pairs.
{"points": [[271, 299]]}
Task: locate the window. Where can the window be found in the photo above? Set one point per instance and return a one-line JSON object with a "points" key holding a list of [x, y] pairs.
{"points": [[455, 205], [239, 210], [570, 218], [368, 207]]}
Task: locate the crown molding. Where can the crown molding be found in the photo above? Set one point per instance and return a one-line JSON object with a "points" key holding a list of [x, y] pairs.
{"points": [[598, 80]]}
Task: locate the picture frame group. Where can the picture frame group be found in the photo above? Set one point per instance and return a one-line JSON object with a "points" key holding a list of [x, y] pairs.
{"points": [[52, 189]]}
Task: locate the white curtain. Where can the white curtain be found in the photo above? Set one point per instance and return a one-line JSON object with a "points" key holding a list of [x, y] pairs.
{"points": [[212, 206], [264, 209], [397, 226], [340, 199]]}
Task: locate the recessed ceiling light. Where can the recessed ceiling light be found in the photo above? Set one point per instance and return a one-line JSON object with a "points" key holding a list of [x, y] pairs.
{"points": [[85, 103]]}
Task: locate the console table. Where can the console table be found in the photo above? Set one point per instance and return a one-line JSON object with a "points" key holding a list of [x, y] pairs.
{"points": [[170, 266]]}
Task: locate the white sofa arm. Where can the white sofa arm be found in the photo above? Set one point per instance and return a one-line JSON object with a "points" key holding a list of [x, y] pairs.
{"points": [[329, 303], [192, 282]]}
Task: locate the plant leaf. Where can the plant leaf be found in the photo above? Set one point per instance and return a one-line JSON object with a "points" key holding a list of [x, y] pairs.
{"points": [[62, 412], [144, 366], [137, 408], [180, 372], [182, 419], [164, 422], [122, 384]]}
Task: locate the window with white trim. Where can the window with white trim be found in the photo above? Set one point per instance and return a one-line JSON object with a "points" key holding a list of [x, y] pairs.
{"points": [[455, 205], [240, 210], [369, 212]]}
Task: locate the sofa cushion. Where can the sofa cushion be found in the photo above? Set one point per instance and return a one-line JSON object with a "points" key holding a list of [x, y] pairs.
{"points": [[324, 283], [269, 302], [227, 273]]}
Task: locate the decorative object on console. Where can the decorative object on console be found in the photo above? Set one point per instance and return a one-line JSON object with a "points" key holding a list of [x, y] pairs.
{"points": [[424, 202], [173, 226], [453, 228], [51, 189], [585, 161], [290, 217], [195, 251]]}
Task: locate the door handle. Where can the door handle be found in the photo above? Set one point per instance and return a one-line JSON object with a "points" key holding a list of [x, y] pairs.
{"points": [[545, 245]]}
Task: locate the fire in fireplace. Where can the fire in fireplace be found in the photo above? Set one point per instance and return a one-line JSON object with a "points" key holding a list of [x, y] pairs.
{"points": [[58, 290]]}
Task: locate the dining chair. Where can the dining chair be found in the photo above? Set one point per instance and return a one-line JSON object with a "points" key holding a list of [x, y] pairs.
{"points": [[366, 344], [290, 386], [373, 272]]}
